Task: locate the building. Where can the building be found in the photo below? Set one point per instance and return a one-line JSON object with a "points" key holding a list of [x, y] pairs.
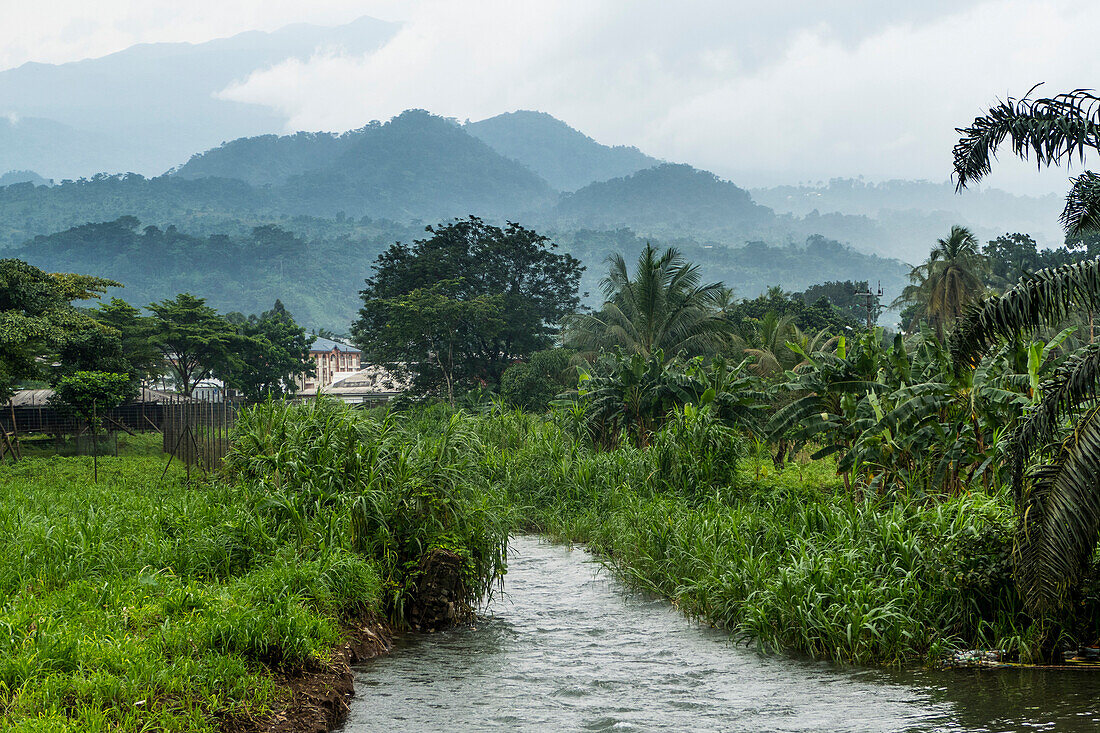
{"points": [[372, 385], [332, 360]]}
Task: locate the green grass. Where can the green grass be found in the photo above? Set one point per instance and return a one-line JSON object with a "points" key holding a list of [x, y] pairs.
{"points": [[146, 604], [140, 444], [788, 559]]}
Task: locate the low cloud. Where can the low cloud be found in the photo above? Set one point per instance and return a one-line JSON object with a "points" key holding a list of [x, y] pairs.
{"points": [[759, 96]]}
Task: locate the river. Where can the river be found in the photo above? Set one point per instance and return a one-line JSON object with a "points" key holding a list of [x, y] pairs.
{"points": [[567, 647]]}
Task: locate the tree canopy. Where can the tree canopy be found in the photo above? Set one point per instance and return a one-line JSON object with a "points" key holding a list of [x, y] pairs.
{"points": [[949, 279], [38, 320], [506, 288], [194, 338], [662, 308]]}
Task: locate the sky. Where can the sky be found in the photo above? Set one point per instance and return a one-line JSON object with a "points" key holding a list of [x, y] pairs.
{"points": [[760, 92]]}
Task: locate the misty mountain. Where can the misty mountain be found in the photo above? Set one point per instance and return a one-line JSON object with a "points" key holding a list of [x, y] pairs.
{"points": [[120, 113], [415, 167], [566, 158], [913, 214], [666, 199], [30, 177]]}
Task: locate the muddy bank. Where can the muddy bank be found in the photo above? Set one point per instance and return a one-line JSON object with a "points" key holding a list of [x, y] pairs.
{"points": [[317, 698]]}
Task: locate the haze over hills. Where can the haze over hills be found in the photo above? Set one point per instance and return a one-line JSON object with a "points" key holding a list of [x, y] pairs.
{"points": [[117, 113], [567, 158], [340, 198], [924, 207], [416, 166]]}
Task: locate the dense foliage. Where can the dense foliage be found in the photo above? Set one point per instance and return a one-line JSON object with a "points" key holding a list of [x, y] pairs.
{"points": [[662, 308], [459, 306], [89, 395], [147, 602], [37, 319]]}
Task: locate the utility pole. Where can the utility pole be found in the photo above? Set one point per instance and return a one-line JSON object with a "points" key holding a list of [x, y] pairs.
{"points": [[872, 302]]}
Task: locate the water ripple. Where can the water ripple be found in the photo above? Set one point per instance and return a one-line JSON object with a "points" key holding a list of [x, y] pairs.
{"points": [[567, 647]]}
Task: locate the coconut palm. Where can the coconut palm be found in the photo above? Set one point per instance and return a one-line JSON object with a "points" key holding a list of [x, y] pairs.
{"points": [[947, 282], [765, 340], [662, 308]]}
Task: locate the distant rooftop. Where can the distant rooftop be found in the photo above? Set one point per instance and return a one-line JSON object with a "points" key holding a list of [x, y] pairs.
{"points": [[324, 344]]}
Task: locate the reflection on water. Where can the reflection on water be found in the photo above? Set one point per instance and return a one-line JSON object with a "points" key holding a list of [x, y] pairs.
{"points": [[568, 648]]}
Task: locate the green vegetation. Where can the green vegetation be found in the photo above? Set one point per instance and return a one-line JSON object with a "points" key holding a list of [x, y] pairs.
{"points": [[788, 558], [148, 604], [946, 283], [662, 308], [457, 308], [37, 317], [90, 394]]}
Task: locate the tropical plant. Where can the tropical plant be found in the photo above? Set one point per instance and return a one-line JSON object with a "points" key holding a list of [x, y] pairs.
{"points": [[765, 340], [531, 385], [662, 309], [948, 280], [632, 396], [901, 418], [1057, 499], [1054, 130]]}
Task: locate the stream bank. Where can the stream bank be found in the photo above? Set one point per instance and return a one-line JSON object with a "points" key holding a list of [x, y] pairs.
{"points": [[567, 646], [318, 697]]}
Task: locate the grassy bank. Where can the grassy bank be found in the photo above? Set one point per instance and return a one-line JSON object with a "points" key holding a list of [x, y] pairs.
{"points": [[789, 559], [146, 604], [143, 603]]}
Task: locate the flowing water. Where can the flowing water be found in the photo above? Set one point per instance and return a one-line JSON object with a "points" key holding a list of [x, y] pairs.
{"points": [[567, 647]]}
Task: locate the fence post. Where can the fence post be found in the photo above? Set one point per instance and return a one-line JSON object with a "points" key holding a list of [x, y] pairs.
{"points": [[95, 448]]}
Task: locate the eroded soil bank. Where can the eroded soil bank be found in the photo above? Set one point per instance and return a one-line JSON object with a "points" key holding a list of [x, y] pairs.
{"points": [[317, 698]]}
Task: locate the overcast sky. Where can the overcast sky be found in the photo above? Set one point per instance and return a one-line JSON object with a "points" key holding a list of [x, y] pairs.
{"points": [[761, 92]]}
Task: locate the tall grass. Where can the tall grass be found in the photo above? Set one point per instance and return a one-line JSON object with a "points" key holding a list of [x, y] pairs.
{"points": [[146, 604], [392, 491], [788, 559]]}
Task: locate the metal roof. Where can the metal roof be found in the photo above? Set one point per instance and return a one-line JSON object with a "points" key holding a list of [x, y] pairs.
{"points": [[40, 397], [326, 345]]}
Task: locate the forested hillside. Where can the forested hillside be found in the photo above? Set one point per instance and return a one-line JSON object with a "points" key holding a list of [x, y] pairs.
{"points": [[150, 106], [668, 200], [317, 268], [567, 158]]}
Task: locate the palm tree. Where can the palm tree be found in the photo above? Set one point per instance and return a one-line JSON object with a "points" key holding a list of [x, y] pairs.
{"points": [[766, 341], [1052, 129], [663, 309], [947, 282], [1058, 499]]}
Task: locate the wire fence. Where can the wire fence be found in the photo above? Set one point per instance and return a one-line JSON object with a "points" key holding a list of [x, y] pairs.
{"points": [[198, 432], [195, 432]]}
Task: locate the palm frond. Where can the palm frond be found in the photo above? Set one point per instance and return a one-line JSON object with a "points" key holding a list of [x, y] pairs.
{"points": [[1082, 212], [1044, 298], [1060, 519], [1074, 384], [1052, 129]]}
